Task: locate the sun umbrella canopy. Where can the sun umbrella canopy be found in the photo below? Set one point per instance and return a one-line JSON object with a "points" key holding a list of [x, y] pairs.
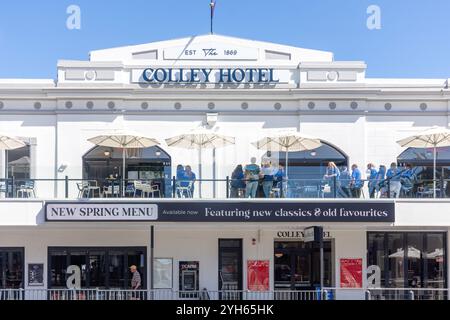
{"points": [[434, 137], [288, 142], [10, 143], [200, 138], [123, 139]]}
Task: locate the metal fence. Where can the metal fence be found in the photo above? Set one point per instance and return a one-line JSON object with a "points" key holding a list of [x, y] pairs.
{"points": [[116, 295], [232, 295], [219, 188]]}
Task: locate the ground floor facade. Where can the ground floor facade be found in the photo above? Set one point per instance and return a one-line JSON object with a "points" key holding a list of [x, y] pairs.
{"points": [[223, 257]]}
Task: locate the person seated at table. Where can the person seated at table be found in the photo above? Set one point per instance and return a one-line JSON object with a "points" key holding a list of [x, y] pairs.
{"points": [[279, 178], [181, 177], [237, 182], [191, 178]]}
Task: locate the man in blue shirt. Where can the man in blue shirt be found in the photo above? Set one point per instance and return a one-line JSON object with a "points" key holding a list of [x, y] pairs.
{"points": [[393, 177], [252, 172], [356, 183], [345, 180], [372, 176]]}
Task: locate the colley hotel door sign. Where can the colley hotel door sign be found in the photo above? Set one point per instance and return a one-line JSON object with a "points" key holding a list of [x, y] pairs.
{"points": [[220, 211]]}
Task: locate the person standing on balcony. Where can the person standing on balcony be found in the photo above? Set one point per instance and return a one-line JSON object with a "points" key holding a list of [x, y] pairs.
{"points": [[191, 178], [372, 177], [267, 173], [356, 183], [237, 182], [380, 181], [252, 171], [345, 181], [393, 176], [181, 180], [332, 177]]}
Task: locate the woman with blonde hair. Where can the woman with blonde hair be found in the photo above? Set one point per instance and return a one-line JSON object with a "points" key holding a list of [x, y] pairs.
{"points": [[331, 177]]}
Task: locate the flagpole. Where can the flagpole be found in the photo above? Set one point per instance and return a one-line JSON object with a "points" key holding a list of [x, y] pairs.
{"points": [[212, 15]]}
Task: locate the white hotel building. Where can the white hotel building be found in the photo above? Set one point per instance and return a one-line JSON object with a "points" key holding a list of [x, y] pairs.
{"points": [[238, 88]]}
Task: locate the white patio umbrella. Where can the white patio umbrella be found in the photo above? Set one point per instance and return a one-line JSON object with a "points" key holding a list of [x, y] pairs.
{"points": [[287, 141], [412, 253], [10, 143], [432, 138], [124, 139], [200, 139]]}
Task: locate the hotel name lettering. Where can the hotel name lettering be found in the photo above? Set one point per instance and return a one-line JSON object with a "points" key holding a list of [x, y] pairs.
{"points": [[209, 75]]}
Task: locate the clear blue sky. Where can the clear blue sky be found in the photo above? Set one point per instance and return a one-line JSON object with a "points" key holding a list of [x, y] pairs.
{"points": [[414, 40]]}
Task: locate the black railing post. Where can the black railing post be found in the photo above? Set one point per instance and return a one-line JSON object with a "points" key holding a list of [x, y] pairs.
{"points": [[442, 186], [335, 189], [228, 187], [389, 188], [13, 186], [66, 180], [174, 187]]}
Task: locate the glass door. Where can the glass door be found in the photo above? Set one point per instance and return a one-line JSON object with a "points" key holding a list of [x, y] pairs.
{"points": [[230, 266]]}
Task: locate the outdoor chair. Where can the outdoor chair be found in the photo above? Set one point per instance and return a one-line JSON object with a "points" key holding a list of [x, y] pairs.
{"points": [[184, 191], [26, 190], [92, 188], [111, 191], [82, 189]]}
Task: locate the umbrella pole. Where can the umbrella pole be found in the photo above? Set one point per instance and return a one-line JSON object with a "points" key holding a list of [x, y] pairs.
{"points": [[434, 171], [199, 172], [287, 163], [123, 173]]}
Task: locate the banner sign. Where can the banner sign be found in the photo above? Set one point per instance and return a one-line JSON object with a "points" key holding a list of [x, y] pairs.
{"points": [[221, 211], [351, 273], [258, 275]]}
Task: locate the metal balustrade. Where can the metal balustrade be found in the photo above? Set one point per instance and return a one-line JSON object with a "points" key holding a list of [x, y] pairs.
{"points": [[231, 295], [227, 188]]}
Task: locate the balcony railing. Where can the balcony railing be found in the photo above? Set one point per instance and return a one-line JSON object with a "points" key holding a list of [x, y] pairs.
{"points": [[235, 295], [227, 188]]}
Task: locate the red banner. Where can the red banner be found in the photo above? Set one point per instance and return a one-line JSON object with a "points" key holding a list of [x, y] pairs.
{"points": [[351, 273], [258, 275]]}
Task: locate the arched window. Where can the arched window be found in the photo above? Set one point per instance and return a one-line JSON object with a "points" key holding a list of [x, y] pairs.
{"points": [[312, 164], [421, 159], [150, 164]]}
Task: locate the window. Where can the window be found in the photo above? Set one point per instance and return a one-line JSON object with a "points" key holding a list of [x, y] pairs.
{"points": [[11, 268], [19, 163], [105, 268], [409, 259]]}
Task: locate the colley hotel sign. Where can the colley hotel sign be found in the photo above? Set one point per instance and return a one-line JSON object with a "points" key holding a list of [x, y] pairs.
{"points": [[159, 75], [220, 211]]}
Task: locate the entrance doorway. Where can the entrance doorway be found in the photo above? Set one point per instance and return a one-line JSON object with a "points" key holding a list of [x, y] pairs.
{"points": [[230, 265], [297, 265]]}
